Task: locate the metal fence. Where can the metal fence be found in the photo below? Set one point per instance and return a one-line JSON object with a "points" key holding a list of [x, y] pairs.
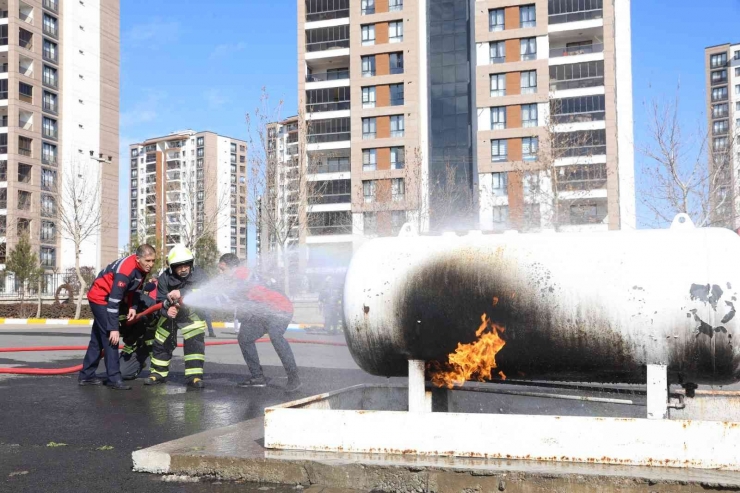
{"points": [[11, 289]]}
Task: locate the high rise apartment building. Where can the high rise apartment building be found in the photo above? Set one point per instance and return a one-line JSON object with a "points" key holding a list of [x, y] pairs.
{"points": [[722, 64], [474, 87], [59, 110], [186, 185]]}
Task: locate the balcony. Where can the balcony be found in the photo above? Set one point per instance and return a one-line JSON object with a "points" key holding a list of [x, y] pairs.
{"points": [[581, 151], [51, 30], [51, 5], [328, 137], [574, 15], [325, 15], [592, 116], [325, 76], [577, 50], [327, 45], [563, 85], [321, 107]]}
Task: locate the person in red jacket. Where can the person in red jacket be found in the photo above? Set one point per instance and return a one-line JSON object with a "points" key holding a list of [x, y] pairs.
{"points": [[116, 284], [263, 310]]}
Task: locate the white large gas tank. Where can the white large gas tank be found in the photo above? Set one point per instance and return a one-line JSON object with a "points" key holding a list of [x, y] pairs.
{"points": [[595, 306]]}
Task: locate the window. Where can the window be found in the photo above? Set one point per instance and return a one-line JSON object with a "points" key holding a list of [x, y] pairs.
{"points": [[529, 82], [529, 115], [721, 127], [49, 231], [368, 66], [737, 71], [48, 179], [48, 257], [719, 60], [500, 184], [498, 85], [201, 141], [396, 63], [25, 38], [397, 126], [368, 191], [397, 94], [737, 106], [737, 54], [49, 127], [24, 146], [370, 223], [24, 173], [395, 5], [500, 215], [201, 152], [496, 20], [48, 153], [49, 76], [527, 16], [397, 158], [25, 92], [719, 76], [369, 160], [720, 143], [50, 26], [528, 48], [367, 7], [24, 200], [577, 75], [368, 35], [3, 143], [368, 128], [368, 97], [530, 146], [720, 110], [498, 51], [737, 89], [48, 206], [398, 189], [233, 147], [50, 102], [395, 32], [498, 151], [719, 93], [3, 173], [199, 163], [498, 118], [50, 51]]}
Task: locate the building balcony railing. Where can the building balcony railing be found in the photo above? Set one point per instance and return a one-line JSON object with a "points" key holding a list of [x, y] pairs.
{"points": [[342, 198], [328, 137], [4, 41], [327, 45], [51, 31], [577, 50], [327, 15], [21, 150], [718, 81], [50, 82], [4, 149], [324, 76], [50, 108], [27, 44], [581, 15], [4, 121], [368, 10], [320, 107], [332, 167], [581, 151], [562, 85], [50, 134], [51, 57], [593, 116]]}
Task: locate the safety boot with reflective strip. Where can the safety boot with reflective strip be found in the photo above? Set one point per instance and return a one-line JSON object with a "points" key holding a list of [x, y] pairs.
{"points": [[154, 380]]}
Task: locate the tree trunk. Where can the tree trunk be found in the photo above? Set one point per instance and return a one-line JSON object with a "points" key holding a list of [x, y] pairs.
{"points": [[83, 285], [38, 307], [286, 273]]}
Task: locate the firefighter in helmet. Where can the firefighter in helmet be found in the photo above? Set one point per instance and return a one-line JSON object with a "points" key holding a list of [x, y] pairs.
{"points": [[173, 285]]}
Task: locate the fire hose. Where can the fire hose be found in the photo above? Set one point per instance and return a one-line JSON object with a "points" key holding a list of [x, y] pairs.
{"points": [[148, 311]]}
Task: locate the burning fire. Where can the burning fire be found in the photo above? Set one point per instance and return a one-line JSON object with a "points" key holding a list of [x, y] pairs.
{"points": [[474, 361]]}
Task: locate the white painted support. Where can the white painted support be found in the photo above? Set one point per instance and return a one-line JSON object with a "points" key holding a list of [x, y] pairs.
{"points": [[657, 391], [418, 401]]}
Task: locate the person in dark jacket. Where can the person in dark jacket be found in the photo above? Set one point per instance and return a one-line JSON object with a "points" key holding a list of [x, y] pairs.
{"points": [[115, 285], [139, 337], [173, 285], [263, 309]]}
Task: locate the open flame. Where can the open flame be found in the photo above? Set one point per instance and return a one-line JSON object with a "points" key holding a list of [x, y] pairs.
{"points": [[474, 361]]}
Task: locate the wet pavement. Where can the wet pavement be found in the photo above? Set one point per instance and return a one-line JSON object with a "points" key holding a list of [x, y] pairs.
{"points": [[99, 428]]}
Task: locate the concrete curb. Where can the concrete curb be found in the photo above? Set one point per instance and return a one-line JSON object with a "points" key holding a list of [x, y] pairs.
{"points": [[83, 322], [236, 453]]}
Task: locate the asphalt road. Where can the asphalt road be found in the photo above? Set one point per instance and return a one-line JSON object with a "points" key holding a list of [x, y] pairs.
{"points": [[99, 428]]}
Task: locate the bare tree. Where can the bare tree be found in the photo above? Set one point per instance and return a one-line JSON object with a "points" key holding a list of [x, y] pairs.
{"points": [[79, 213], [686, 171], [282, 189], [551, 185]]}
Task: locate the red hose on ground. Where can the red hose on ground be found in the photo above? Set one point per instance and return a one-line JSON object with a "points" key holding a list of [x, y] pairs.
{"points": [[74, 369]]}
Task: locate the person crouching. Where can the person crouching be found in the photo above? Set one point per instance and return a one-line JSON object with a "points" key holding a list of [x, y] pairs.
{"points": [[173, 285]]}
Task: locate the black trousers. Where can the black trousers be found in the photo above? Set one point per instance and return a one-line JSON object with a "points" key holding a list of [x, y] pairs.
{"points": [[252, 327], [137, 348], [99, 342]]}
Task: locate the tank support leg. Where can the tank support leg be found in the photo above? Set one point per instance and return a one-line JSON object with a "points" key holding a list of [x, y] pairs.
{"points": [[657, 391], [420, 401]]}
